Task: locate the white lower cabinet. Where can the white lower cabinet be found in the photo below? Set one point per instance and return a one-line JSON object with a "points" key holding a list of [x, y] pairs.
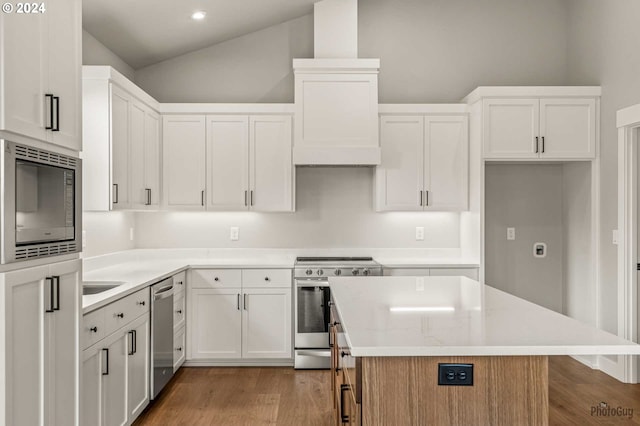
{"points": [[39, 327], [115, 370], [234, 321], [180, 348]]}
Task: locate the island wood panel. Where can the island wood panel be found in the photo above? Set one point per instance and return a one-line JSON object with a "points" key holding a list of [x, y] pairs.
{"points": [[506, 391]]}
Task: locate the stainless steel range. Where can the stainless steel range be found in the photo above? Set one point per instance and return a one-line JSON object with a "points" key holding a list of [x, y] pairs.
{"points": [[312, 297]]}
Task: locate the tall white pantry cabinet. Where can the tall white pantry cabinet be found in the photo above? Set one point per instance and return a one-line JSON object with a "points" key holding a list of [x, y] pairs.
{"points": [[39, 371]]}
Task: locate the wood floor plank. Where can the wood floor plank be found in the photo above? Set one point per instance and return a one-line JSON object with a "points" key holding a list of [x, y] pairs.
{"points": [[287, 397]]}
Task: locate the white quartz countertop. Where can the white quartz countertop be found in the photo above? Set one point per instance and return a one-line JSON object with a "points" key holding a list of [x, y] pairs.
{"points": [[137, 274], [457, 316], [426, 262]]}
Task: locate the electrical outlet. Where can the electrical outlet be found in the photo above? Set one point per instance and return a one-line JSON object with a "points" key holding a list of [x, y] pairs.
{"points": [[130, 234], [419, 233], [455, 374], [511, 234], [234, 233]]}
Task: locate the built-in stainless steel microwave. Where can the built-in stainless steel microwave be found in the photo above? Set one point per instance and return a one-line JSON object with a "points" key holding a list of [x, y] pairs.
{"points": [[41, 209]]}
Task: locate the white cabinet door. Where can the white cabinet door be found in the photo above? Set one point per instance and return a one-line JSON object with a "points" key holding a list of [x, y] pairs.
{"points": [[152, 159], [91, 395], [120, 155], [266, 323], [114, 380], [567, 128], [65, 70], [511, 128], [215, 324], [137, 115], [184, 161], [62, 330], [23, 74], [399, 177], [270, 164], [25, 301], [227, 162], [138, 366], [446, 164]]}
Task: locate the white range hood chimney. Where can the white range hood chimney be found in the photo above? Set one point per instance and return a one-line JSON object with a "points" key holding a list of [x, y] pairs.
{"points": [[336, 94]]}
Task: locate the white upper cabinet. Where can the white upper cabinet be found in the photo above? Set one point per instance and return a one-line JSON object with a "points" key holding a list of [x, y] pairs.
{"points": [[425, 163], [121, 130], [568, 128], [400, 177], [183, 145], [546, 123], [248, 160], [41, 73], [511, 128], [270, 163], [227, 162], [446, 163]]}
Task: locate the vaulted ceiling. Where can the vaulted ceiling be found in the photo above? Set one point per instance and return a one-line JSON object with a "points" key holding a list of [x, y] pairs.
{"points": [[144, 32]]}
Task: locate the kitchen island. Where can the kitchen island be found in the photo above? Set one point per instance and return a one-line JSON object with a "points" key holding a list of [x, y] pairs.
{"points": [[391, 336]]}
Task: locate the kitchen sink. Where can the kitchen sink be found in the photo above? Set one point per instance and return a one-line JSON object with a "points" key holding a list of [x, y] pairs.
{"points": [[95, 287]]}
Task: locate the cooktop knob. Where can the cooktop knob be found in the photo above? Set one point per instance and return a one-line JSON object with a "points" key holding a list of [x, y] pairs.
{"points": [[320, 272], [355, 271], [338, 272], [309, 272], [365, 272]]}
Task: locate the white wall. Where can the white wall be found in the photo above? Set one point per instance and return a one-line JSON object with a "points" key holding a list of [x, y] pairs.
{"points": [[603, 39], [107, 232], [334, 209], [528, 198], [430, 51], [96, 53], [256, 67]]}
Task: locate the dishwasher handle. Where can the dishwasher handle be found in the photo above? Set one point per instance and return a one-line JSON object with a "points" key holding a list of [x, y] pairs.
{"points": [[163, 292]]}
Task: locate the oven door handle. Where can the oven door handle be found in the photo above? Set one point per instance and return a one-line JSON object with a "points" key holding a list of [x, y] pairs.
{"points": [[312, 283], [316, 353]]}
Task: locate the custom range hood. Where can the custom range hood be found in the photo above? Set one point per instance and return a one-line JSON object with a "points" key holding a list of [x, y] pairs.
{"points": [[336, 94]]}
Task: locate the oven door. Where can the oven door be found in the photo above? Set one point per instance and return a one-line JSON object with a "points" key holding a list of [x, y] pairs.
{"points": [[312, 314]]}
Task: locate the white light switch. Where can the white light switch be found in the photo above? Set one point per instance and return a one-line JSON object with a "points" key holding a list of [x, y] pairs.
{"points": [[511, 234], [419, 233], [234, 233]]}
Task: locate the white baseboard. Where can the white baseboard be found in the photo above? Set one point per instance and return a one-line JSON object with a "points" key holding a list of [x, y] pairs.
{"points": [[240, 363]]}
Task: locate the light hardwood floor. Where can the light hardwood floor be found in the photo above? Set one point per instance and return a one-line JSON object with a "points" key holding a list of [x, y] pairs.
{"points": [[283, 396]]}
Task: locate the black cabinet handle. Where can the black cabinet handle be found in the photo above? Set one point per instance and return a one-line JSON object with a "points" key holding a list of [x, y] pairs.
{"points": [[115, 196], [142, 303], [537, 149], [426, 198], [51, 295], [421, 201], [135, 342], [105, 351], [148, 203], [49, 97], [131, 343], [251, 197], [543, 144], [245, 301], [56, 280], [56, 100], [238, 302], [202, 197], [93, 329], [343, 417], [245, 197], [120, 315]]}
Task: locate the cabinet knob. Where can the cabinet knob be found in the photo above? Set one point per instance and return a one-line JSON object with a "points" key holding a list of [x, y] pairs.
{"points": [[180, 283], [179, 349], [216, 279], [179, 311], [267, 278], [120, 315], [142, 303], [94, 329]]}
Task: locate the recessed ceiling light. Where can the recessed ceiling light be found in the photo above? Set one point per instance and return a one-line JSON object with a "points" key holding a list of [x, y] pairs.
{"points": [[199, 15]]}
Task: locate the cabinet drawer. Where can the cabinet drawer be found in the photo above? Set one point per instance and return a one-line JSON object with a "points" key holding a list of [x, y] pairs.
{"points": [[179, 348], [178, 311], [216, 278], [93, 329], [266, 278], [126, 309], [179, 282]]}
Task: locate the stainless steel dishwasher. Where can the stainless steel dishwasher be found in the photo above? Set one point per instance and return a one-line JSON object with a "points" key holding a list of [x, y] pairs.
{"points": [[161, 335]]}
